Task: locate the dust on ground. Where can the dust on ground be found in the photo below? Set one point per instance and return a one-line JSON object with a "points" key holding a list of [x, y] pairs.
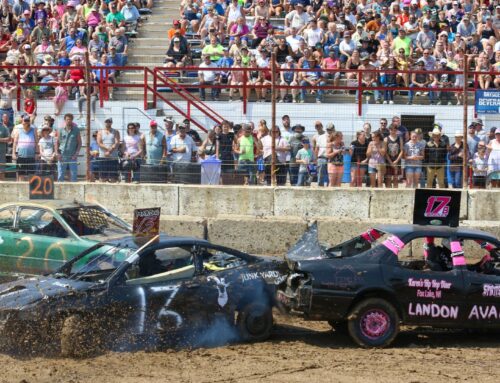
{"points": [[298, 351]]}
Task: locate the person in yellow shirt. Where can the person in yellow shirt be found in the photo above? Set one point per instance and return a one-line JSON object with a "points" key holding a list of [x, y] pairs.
{"points": [[214, 50], [402, 41]]}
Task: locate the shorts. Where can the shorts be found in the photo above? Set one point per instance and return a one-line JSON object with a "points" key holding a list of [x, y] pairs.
{"points": [[411, 169], [26, 166], [335, 169], [375, 170]]}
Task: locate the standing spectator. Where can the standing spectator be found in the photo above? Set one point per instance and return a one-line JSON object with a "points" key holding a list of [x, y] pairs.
{"points": [[155, 145], [94, 157], [132, 152], [192, 133], [48, 154], [413, 153], [494, 159], [8, 94], [376, 160], [320, 154], [335, 154], [359, 162], [226, 139], [394, 145], [295, 146], [60, 95], [245, 148], [480, 132], [304, 157], [68, 147], [402, 130], [208, 77], [435, 159], [25, 149], [472, 141], [108, 140], [383, 129], [480, 166], [183, 146], [210, 148], [5, 139], [456, 155]]}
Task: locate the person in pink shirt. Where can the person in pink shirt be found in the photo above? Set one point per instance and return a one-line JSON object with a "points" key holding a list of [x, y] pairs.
{"points": [[331, 62], [241, 29]]}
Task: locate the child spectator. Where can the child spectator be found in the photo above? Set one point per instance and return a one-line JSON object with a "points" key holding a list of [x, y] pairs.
{"points": [[30, 104], [304, 157]]}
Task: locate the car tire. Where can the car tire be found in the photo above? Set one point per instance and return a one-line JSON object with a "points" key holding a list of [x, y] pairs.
{"points": [[255, 322], [373, 322], [79, 338]]}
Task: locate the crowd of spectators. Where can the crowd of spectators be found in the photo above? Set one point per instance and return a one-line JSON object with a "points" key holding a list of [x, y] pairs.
{"points": [[314, 35], [384, 156], [57, 34]]}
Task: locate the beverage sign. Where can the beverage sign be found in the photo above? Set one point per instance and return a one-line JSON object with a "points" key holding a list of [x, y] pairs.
{"points": [[488, 101], [41, 187], [146, 222], [436, 207]]}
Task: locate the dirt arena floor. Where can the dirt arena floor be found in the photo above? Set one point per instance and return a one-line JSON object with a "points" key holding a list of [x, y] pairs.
{"points": [[297, 352]]}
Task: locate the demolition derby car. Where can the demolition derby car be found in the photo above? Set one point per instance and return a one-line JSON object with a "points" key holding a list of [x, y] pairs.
{"points": [[170, 288], [38, 237], [392, 274]]}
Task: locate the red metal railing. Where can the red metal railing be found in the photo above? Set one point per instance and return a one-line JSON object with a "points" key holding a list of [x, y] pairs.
{"points": [[155, 79]]}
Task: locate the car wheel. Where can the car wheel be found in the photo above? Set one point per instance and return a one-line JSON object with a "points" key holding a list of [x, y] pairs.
{"points": [[373, 322], [79, 338], [340, 327], [255, 322]]}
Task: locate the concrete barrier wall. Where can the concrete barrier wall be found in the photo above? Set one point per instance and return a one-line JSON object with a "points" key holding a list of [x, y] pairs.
{"points": [[215, 201]]}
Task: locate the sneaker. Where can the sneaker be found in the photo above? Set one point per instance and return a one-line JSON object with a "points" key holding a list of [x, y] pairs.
{"points": [[230, 99], [318, 101], [280, 101], [418, 94], [217, 99], [450, 103], [459, 103], [385, 102], [294, 101], [391, 102], [409, 103], [301, 101], [439, 103]]}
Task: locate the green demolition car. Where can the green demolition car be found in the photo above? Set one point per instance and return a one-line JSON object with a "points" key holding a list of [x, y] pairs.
{"points": [[37, 237]]}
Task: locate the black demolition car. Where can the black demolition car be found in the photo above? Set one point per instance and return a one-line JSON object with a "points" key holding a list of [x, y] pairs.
{"points": [[393, 274], [120, 292]]}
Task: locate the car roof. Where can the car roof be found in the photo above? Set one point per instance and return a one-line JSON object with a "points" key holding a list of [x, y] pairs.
{"points": [[53, 204], [164, 240], [408, 232]]}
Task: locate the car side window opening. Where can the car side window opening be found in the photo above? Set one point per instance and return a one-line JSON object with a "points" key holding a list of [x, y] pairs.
{"points": [[481, 257], [40, 222], [7, 216], [215, 260], [366, 241], [162, 265], [427, 254]]}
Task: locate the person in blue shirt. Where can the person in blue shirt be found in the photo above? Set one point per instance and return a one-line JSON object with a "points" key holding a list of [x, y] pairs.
{"points": [[131, 14], [225, 62], [105, 75]]}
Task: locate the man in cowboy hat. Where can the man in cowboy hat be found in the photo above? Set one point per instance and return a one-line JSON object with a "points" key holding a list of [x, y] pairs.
{"points": [[435, 158]]}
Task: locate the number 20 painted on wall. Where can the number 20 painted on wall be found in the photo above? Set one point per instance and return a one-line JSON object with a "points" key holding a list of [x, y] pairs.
{"points": [[41, 187]]}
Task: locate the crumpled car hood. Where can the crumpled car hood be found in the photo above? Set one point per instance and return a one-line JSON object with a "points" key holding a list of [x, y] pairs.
{"points": [[307, 247], [17, 294]]}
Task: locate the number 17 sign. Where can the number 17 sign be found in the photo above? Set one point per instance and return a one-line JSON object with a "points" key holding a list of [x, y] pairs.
{"points": [[436, 207], [41, 187]]}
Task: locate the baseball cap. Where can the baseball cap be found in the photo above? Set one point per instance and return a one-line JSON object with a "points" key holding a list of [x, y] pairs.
{"points": [[177, 22], [168, 119], [109, 119], [153, 123], [289, 59], [330, 127], [443, 61], [459, 133], [26, 117], [186, 121], [26, 12], [176, 40], [477, 121], [27, 46], [497, 131]]}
